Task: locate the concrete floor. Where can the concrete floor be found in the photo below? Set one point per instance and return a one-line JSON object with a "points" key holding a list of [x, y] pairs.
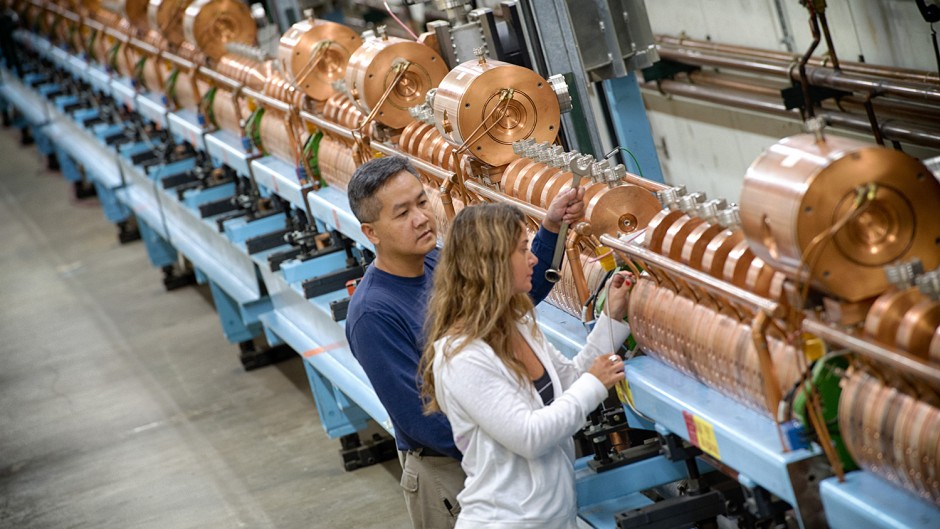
{"points": [[121, 405]]}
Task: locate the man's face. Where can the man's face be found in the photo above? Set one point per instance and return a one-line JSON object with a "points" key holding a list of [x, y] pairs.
{"points": [[405, 226]]}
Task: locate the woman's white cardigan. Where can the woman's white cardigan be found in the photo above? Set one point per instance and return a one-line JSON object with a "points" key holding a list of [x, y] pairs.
{"points": [[518, 453]]}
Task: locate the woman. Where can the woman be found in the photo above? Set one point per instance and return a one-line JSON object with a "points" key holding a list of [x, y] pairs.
{"points": [[513, 400]]}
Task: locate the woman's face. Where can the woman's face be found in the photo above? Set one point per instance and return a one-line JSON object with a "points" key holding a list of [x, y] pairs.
{"points": [[523, 262]]}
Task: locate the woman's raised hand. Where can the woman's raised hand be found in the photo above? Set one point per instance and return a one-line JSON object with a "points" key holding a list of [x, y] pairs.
{"points": [[618, 298], [608, 369]]}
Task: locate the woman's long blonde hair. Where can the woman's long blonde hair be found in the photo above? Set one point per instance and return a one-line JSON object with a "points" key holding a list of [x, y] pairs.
{"points": [[473, 297]]}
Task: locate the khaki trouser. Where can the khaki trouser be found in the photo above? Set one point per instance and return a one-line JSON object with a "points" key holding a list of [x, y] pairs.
{"points": [[431, 485]]}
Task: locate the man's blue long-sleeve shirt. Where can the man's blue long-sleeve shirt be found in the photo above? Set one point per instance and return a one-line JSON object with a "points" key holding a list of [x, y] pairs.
{"points": [[385, 330]]}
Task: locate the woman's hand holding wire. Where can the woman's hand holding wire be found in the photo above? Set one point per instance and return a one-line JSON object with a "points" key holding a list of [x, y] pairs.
{"points": [[608, 369], [618, 295]]}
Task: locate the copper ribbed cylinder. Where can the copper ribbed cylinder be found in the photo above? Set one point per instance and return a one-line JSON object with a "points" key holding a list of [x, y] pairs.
{"points": [[336, 162], [707, 343], [211, 24], [371, 70], [166, 17], [314, 54], [474, 90], [892, 433], [800, 188]]}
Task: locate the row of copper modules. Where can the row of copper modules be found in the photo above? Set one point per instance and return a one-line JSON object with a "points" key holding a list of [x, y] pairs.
{"points": [[818, 217]]}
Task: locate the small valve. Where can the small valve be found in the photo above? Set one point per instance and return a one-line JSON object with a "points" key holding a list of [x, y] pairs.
{"points": [[903, 275], [929, 284], [560, 87], [730, 217]]}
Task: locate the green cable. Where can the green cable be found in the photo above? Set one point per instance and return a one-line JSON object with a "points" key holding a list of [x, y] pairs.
{"points": [[312, 154], [635, 161], [139, 70], [170, 85], [206, 104], [112, 55], [253, 128]]}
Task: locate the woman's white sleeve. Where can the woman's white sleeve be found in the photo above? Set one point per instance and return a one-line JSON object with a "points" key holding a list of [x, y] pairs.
{"points": [[475, 381], [606, 338]]}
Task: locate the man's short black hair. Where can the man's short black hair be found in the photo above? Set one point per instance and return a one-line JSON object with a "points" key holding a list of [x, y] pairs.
{"points": [[368, 179]]}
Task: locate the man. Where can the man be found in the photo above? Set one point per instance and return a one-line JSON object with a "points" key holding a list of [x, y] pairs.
{"points": [[386, 317]]}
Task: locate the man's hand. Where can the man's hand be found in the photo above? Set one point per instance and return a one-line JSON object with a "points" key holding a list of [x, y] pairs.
{"points": [[568, 206]]}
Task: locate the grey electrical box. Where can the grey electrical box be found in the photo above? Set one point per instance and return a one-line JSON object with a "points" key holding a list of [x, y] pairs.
{"points": [[614, 36]]}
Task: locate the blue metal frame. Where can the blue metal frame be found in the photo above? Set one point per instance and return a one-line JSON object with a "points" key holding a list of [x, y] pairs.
{"points": [[864, 500], [160, 252], [632, 125]]}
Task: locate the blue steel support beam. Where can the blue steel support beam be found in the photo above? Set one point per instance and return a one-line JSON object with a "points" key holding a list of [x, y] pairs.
{"points": [[160, 252], [632, 126]]}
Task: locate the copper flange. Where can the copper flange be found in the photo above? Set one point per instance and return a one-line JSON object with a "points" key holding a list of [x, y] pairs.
{"points": [[372, 68], [315, 53], [801, 187], [473, 90], [135, 11], [211, 24], [622, 209], [166, 16]]}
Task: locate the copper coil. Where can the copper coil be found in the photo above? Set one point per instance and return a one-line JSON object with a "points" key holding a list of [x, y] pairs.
{"points": [[760, 278], [281, 137], [892, 433], [336, 162], [521, 182], [886, 313], [918, 327], [511, 174], [717, 251], [565, 294], [675, 236], [707, 344], [693, 250], [407, 133], [243, 70], [737, 264], [801, 187], [155, 74], [228, 112], [371, 69], [437, 208], [185, 95], [540, 179], [554, 181], [473, 90], [302, 40], [658, 226], [166, 16]]}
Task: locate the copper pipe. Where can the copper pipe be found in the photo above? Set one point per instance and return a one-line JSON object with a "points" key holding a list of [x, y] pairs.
{"points": [[759, 328], [817, 75], [573, 252], [920, 76], [886, 107], [885, 354], [696, 277], [495, 196], [891, 130], [446, 199]]}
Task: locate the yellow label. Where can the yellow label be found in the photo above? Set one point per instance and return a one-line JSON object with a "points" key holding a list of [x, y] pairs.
{"points": [[706, 437], [377, 154], [813, 347]]}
